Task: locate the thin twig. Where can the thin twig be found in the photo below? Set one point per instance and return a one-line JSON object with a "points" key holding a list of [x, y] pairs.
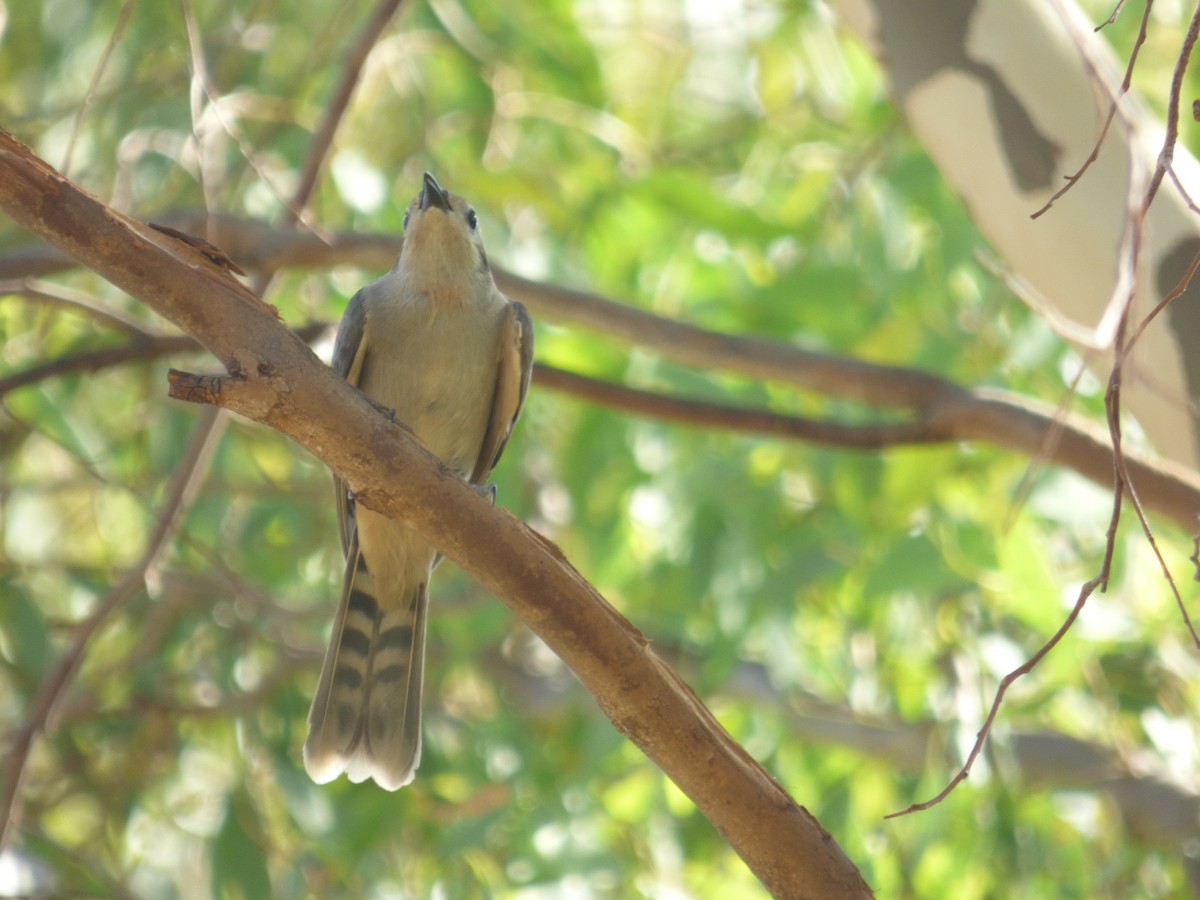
{"points": [[142, 349], [1112, 397], [96, 360], [1162, 304], [1113, 16], [78, 302], [331, 119], [1123, 483], [41, 716], [339, 102], [1184, 194], [1124, 348], [97, 73], [1115, 103], [1005, 683], [199, 87]]}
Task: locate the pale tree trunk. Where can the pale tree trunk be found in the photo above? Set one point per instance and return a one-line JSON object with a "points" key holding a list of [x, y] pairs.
{"points": [[1009, 98]]}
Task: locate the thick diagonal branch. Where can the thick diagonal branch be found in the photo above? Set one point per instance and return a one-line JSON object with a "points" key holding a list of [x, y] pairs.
{"points": [[277, 380]]}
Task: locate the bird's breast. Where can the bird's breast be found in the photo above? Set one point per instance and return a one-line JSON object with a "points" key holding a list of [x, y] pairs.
{"points": [[436, 367]]}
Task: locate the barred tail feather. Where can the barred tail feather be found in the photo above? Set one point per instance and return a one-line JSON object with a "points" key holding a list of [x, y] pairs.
{"points": [[366, 717]]}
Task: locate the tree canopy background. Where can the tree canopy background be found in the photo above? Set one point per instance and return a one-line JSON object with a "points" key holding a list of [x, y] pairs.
{"points": [[846, 614]]}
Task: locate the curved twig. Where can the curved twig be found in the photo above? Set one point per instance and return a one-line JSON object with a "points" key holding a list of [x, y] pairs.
{"points": [[41, 716]]}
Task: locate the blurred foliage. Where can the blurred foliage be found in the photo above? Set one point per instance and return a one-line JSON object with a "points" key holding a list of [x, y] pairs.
{"points": [[734, 165]]}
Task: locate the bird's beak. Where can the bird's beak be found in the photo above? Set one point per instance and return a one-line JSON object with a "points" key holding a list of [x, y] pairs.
{"points": [[432, 194]]}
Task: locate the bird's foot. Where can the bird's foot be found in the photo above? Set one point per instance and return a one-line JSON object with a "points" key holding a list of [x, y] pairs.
{"points": [[390, 412], [487, 491]]}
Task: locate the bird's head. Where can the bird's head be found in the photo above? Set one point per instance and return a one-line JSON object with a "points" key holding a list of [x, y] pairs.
{"points": [[443, 252]]}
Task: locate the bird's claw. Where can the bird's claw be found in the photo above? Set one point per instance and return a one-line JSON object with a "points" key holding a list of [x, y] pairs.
{"points": [[488, 491], [390, 412]]}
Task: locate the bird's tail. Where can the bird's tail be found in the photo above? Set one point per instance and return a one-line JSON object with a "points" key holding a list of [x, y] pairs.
{"points": [[366, 717]]}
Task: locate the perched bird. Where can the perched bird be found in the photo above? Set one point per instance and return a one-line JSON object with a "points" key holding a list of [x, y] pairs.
{"points": [[436, 342]]}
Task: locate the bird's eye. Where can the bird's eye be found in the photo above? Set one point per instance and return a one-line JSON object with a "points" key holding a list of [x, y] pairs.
{"points": [[472, 220]]}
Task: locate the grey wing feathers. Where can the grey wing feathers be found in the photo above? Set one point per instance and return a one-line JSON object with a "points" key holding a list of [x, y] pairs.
{"points": [[349, 336], [526, 354], [514, 365], [348, 352]]}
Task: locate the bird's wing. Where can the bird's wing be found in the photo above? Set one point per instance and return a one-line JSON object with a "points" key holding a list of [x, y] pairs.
{"points": [[349, 351], [514, 364]]}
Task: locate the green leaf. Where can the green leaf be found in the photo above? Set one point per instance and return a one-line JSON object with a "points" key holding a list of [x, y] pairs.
{"points": [[239, 869]]}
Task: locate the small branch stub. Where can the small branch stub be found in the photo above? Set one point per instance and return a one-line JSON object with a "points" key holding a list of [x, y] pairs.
{"points": [[192, 388], [257, 396]]}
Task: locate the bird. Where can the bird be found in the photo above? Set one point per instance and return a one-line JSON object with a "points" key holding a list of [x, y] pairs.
{"points": [[438, 344]]}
